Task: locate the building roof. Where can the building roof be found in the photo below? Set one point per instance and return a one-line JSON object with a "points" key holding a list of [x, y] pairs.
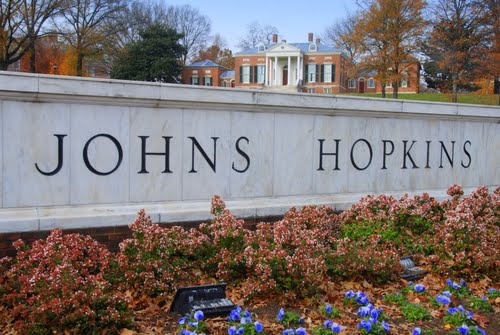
{"points": [[227, 75], [304, 47], [204, 63]]}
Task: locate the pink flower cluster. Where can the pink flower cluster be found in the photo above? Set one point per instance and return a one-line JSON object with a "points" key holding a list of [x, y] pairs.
{"points": [[59, 283]]}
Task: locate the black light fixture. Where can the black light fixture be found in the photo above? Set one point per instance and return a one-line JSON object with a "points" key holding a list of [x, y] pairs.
{"points": [[210, 299], [411, 272]]}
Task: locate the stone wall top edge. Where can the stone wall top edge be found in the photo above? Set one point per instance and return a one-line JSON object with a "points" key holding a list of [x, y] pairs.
{"points": [[48, 88]]}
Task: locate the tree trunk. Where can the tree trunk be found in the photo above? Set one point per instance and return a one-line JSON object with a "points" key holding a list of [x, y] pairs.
{"points": [[3, 65], [395, 89], [32, 58], [383, 90], [454, 97], [79, 64]]}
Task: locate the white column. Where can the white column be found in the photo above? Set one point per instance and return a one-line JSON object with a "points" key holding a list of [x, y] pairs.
{"points": [[289, 72], [266, 80], [275, 70], [299, 69]]}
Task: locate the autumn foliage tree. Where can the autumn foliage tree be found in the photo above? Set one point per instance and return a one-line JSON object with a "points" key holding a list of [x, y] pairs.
{"points": [[461, 40], [88, 24], [390, 31], [217, 53]]}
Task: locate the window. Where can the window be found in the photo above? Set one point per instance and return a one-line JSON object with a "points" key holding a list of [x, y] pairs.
{"points": [[371, 83], [312, 47], [224, 83], [245, 74], [388, 85], [310, 90], [311, 73], [195, 80], [352, 83], [261, 74], [208, 81], [328, 73], [327, 90], [404, 79]]}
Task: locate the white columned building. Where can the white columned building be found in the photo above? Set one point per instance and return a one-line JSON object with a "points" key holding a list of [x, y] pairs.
{"points": [[284, 65]]}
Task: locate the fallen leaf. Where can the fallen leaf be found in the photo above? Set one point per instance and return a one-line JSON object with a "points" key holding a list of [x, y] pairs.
{"points": [[126, 331]]}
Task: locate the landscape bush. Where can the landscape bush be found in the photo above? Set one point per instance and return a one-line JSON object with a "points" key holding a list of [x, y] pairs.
{"points": [[59, 284], [71, 282]]}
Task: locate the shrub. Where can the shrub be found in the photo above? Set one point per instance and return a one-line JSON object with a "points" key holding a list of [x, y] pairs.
{"points": [[155, 258], [466, 241], [289, 255], [221, 253], [60, 286]]}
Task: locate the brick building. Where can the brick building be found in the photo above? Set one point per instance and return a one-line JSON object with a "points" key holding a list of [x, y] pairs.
{"points": [[206, 73], [311, 66], [366, 81]]}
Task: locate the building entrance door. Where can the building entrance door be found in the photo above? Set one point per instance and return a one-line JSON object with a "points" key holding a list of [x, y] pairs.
{"points": [[285, 75], [362, 85]]}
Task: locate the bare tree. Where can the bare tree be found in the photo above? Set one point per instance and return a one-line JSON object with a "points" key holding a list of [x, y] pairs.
{"points": [[257, 34], [88, 24], [36, 13], [12, 39], [194, 27], [342, 34]]}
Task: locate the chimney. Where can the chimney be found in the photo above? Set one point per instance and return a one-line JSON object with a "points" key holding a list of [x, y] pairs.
{"points": [[275, 38], [310, 37], [318, 40]]}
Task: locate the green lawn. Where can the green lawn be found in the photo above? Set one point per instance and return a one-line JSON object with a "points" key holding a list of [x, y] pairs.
{"points": [[493, 99]]}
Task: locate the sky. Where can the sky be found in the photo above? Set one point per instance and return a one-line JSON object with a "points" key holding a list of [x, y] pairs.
{"points": [[293, 18]]}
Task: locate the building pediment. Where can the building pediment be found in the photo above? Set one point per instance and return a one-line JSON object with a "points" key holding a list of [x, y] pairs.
{"points": [[281, 48]]}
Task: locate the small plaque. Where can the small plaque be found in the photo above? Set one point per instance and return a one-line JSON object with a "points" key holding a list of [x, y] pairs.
{"points": [[210, 299]]}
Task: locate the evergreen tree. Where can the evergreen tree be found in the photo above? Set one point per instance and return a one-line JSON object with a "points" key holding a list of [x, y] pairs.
{"points": [[154, 57]]}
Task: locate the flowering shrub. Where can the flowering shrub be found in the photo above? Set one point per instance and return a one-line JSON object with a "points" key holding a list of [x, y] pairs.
{"points": [[289, 255], [60, 286], [372, 258], [221, 254], [155, 258], [466, 241]]}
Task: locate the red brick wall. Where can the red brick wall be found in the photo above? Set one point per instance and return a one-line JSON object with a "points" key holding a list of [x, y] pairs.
{"points": [[109, 236], [201, 72]]}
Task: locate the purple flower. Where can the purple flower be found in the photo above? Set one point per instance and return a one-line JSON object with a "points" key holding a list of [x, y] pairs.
{"points": [[327, 323], [281, 314], [452, 310], [386, 327], [198, 315], [335, 327], [463, 329], [235, 315], [231, 330], [443, 300], [349, 294], [361, 298], [300, 331], [374, 314], [447, 294], [419, 288], [328, 309], [364, 310], [481, 331], [181, 321], [463, 283], [491, 290], [449, 282], [258, 327], [416, 331], [366, 325], [288, 332]]}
